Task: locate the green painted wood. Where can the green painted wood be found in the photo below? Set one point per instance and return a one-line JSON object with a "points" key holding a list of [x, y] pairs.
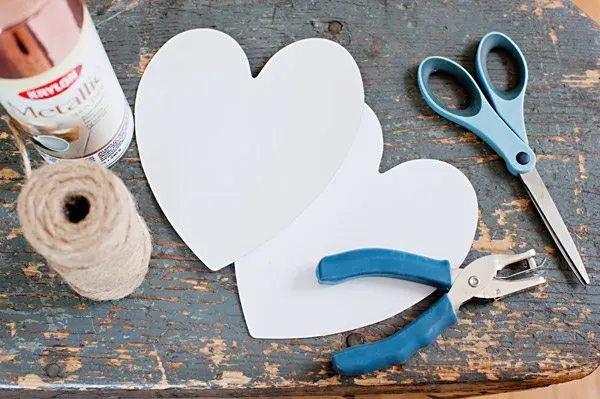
{"points": [[183, 330]]}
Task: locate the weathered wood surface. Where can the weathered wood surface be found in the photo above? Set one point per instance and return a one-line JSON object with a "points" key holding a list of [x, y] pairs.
{"points": [[183, 330]]}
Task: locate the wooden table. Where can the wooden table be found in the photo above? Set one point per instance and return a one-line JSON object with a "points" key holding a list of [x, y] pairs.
{"points": [[182, 333]]}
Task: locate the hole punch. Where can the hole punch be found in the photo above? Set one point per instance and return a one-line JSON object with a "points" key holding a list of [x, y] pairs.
{"points": [[477, 280]]}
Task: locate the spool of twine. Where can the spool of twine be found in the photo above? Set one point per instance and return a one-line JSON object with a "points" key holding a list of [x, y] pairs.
{"points": [[84, 221]]}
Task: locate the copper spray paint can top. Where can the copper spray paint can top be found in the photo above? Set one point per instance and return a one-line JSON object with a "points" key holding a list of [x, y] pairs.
{"points": [[36, 35]]}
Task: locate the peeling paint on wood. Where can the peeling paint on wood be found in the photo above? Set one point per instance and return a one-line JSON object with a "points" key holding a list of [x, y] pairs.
{"points": [[486, 242], [145, 57], [553, 36], [550, 4], [183, 331], [31, 381], [9, 174], [232, 379], [586, 80]]}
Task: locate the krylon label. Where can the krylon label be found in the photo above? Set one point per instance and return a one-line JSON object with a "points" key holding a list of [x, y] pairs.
{"points": [[53, 88]]}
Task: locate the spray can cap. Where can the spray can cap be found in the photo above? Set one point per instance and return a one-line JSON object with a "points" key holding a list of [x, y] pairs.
{"points": [[36, 35]]}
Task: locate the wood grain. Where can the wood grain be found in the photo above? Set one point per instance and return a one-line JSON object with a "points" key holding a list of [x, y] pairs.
{"points": [[182, 333]]}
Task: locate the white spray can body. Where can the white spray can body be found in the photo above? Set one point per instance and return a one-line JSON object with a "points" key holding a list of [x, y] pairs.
{"points": [[68, 101]]}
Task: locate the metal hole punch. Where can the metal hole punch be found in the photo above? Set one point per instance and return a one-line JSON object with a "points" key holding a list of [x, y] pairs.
{"points": [[479, 279]]}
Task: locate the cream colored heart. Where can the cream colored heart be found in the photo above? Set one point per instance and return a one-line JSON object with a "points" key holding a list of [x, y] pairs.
{"points": [[426, 207], [233, 159]]}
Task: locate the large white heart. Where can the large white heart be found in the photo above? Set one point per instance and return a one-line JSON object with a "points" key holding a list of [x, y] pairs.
{"points": [[425, 207], [233, 159]]}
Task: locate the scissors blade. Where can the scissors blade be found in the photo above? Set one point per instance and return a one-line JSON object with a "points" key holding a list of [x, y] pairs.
{"points": [[554, 222]]}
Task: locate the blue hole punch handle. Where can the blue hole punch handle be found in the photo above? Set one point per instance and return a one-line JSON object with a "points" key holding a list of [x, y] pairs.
{"points": [[396, 349], [507, 103], [478, 117], [384, 263]]}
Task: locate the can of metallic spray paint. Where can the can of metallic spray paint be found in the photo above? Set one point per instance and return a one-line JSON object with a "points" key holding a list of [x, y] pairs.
{"points": [[57, 83]]}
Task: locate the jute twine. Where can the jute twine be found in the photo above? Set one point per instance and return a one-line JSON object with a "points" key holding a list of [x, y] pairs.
{"points": [[84, 221]]}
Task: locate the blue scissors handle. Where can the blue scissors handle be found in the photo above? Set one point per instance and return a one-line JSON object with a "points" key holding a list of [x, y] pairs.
{"points": [[507, 103], [479, 116]]}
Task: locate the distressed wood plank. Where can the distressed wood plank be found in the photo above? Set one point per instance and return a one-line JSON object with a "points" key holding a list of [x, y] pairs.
{"points": [[183, 330]]}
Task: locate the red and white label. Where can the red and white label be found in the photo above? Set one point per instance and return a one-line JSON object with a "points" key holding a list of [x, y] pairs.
{"points": [[54, 88]]}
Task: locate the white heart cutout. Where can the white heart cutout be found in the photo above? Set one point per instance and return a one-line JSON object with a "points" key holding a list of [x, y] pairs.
{"points": [[426, 207], [233, 159]]}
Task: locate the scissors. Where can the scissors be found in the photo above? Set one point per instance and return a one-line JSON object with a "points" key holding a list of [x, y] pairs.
{"points": [[496, 116], [479, 279]]}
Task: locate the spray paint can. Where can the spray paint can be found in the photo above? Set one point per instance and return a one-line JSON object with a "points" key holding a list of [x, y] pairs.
{"points": [[57, 83]]}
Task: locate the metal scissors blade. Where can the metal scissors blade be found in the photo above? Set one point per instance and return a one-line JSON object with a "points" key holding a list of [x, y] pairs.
{"points": [[554, 222]]}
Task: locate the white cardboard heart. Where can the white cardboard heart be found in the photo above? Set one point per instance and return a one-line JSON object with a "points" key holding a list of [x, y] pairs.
{"points": [[426, 207], [233, 159]]}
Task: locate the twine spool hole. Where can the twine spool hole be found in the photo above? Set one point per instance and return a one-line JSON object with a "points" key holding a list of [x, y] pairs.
{"points": [[77, 207]]}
